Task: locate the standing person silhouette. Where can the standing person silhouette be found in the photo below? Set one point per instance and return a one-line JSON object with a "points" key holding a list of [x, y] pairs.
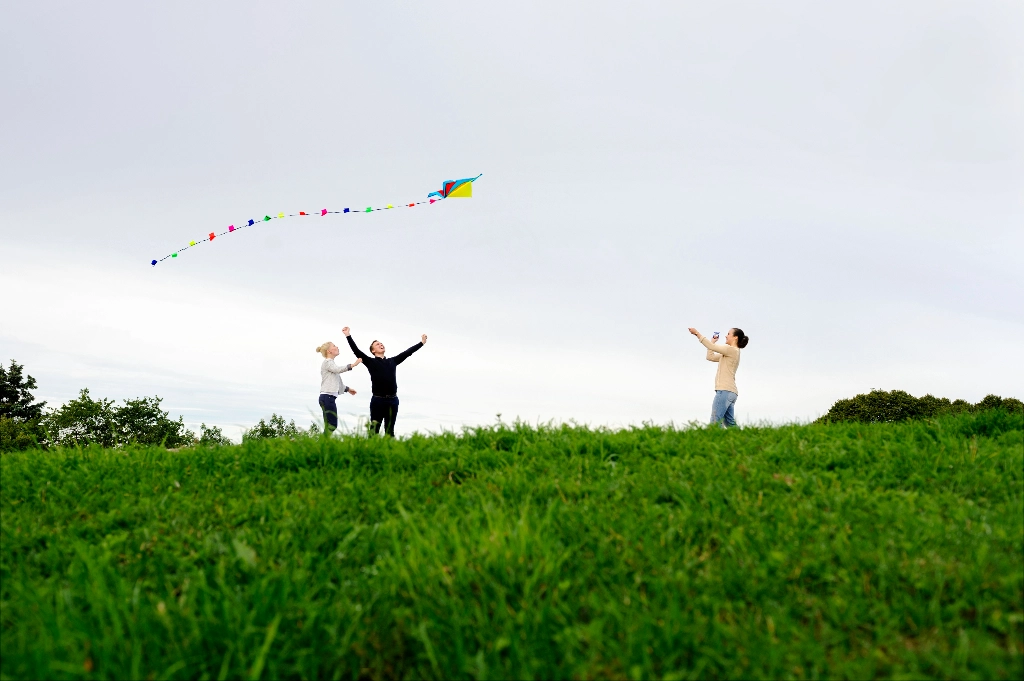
{"points": [[728, 358], [383, 370], [331, 384]]}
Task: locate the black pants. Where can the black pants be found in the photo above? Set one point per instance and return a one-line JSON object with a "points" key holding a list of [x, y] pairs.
{"points": [[384, 411], [329, 406]]}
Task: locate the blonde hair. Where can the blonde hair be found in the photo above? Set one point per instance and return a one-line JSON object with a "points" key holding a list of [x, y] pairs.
{"points": [[325, 348]]}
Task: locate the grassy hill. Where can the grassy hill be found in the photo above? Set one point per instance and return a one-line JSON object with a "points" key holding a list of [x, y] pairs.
{"points": [[842, 550]]}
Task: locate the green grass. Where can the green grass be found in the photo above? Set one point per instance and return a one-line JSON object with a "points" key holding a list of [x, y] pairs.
{"points": [[801, 551]]}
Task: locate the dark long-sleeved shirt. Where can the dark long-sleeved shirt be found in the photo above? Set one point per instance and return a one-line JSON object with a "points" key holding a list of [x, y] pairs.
{"points": [[383, 369]]}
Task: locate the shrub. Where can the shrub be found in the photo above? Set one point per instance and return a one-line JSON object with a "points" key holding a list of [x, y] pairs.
{"points": [[86, 421], [16, 434], [19, 412], [81, 422], [16, 400], [212, 436], [142, 421], [899, 405], [277, 427]]}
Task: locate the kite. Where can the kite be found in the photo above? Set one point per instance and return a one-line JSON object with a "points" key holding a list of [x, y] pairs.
{"points": [[462, 189], [456, 189]]}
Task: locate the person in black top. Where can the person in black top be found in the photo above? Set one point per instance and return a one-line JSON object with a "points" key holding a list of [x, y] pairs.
{"points": [[384, 403]]}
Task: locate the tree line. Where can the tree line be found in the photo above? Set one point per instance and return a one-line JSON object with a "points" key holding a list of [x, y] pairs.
{"points": [[880, 406], [26, 423]]}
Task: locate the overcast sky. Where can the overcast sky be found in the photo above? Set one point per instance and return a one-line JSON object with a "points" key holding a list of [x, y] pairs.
{"points": [[843, 181]]}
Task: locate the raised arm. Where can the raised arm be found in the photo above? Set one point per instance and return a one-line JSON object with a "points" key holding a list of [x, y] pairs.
{"points": [[405, 355], [721, 349], [402, 356], [356, 351], [332, 367], [335, 369], [714, 348]]}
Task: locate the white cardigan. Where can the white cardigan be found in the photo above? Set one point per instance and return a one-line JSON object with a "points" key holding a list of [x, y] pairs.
{"points": [[330, 378]]}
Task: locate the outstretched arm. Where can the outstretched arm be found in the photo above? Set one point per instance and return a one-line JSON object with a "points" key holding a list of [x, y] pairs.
{"points": [[727, 350], [402, 356], [352, 344], [333, 367], [715, 348]]}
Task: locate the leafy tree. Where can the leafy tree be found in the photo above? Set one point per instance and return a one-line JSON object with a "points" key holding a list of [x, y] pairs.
{"points": [[142, 421], [212, 436], [876, 405], [16, 400], [277, 427], [15, 435], [86, 421], [899, 405], [1010, 404], [19, 412], [81, 422]]}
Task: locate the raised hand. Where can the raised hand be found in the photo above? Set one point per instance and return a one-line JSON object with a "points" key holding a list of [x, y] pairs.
{"points": [[346, 331], [423, 339], [356, 363], [694, 331]]}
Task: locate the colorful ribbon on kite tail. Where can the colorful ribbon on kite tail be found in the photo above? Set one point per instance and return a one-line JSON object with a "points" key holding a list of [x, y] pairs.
{"points": [[449, 188], [267, 218]]}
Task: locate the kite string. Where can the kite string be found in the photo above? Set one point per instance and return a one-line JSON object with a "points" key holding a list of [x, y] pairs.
{"points": [[266, 218]]}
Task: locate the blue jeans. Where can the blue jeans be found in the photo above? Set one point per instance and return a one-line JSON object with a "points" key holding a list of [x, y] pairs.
{"points": [[722, 408], [329, 406]]}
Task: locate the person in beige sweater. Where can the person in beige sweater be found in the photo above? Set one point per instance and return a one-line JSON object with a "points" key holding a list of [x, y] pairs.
{"points": [[728, 358]]}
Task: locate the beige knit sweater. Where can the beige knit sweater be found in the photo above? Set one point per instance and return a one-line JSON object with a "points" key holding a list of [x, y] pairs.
{"points": [[728, 359]]}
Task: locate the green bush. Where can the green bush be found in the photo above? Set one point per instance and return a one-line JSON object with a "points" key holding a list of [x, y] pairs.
{"points": [[880, 406], [19, 412], [16, 400], [86, 421], [212, 436], [142, 421], [16, 434], [276, 427]]}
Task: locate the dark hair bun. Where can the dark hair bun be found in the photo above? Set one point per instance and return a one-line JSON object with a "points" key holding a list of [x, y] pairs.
{"points": [[741, 338]]}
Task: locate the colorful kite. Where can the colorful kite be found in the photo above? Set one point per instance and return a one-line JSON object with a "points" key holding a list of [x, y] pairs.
{"points": [[456, 189], [450, 189]]}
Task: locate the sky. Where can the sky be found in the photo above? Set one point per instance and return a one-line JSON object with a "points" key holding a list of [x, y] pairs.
{"points": [[844, 182]]}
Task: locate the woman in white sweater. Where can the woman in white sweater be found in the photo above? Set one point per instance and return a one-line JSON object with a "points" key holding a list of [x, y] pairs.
{"points": [[728, 358], [331, 384]]}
